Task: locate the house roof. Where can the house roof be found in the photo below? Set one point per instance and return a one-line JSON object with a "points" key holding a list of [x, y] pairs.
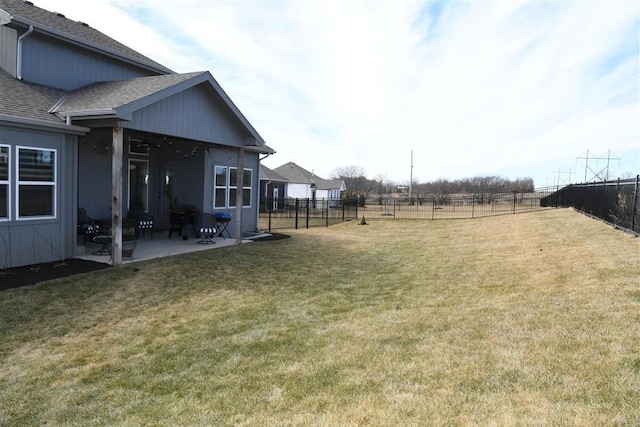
{"points": [[119, 99], [267, 174], [26, 100], [22, 14], [115, 99], [106, 98], [298, 175]]}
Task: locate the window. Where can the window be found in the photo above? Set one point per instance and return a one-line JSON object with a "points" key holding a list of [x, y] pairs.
{"points": [[4, 182], [139, 185], [246, 187], [36, 195], [220, 187], [226, 187]]}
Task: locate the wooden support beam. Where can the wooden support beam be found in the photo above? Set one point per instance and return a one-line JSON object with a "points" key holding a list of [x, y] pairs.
{"points": [[116, 196], [239, 194]]}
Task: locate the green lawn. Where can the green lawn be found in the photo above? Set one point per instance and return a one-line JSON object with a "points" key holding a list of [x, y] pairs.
{"points": [[511, 320]]}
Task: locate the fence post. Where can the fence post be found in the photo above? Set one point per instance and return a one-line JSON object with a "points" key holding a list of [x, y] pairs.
{"points": [[473, 205], [297, 212], [270, 203], [635, 203], [602, 204], [326, 201], [515, 199], [433, 208], [308, 212]]}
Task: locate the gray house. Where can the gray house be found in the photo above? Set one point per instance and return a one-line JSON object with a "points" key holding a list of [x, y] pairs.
{"points": [[273, 188], [304, 184], [86, 122]]}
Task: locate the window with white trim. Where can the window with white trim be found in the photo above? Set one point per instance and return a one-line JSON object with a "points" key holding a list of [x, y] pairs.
{"points": [[36, 182], [246, 187], [225, 187], [5, 155], [220, 187]]}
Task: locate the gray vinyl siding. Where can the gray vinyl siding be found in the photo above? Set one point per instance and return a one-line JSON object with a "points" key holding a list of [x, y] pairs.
{"points": [[220, 156], [51, 63], [34, 241], [94, 173], [192, 114], [8, 49]]}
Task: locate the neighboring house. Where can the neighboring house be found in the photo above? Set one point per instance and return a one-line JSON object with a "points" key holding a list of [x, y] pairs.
{"points": [[86, 122], [302, 184], [273, 188]]}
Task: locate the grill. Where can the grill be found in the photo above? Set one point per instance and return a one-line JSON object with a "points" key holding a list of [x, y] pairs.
{"points": [[222, 222]]}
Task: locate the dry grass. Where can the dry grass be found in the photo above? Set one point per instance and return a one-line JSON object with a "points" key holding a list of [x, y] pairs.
{"points": [[512, 320]]}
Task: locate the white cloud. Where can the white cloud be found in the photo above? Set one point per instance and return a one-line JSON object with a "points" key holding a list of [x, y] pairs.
{"points": [[511, 88]]}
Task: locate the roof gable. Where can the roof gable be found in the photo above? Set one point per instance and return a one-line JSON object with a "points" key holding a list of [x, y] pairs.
{"points": [[19, 13], [106, 98], [121, 99]]}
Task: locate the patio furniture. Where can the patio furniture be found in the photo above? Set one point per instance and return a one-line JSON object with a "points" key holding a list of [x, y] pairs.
{"points": [[86, 225], [130, 234], [207, 229], [222, 222], [105, 241], [129, 240], [181, 216], [145, 221]]}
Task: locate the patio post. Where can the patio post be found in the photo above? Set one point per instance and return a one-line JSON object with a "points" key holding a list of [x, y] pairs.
{"points": [[239, 194], [116, 198]]}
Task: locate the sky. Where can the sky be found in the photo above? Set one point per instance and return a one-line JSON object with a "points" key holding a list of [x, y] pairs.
{"points": [[431, 90]]}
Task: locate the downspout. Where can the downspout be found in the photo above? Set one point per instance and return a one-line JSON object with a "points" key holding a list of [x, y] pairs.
{"points": [[19, 53]]}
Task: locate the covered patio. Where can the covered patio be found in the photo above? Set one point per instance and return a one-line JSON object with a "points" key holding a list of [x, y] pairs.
{"points": [[161, 246]]}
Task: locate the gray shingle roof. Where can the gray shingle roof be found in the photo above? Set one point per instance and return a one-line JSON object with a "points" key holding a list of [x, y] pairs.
{"points": [[22, 12], [27, 100], [111, 95], [296, 174], [267, 174]]}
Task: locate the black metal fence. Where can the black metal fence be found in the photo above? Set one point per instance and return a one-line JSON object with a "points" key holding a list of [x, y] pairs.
{"points": [[451, 206], [305, 213], [616, 202]]}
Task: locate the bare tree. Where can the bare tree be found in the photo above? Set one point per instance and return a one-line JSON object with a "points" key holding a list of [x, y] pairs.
{"points": [[354, 178]]}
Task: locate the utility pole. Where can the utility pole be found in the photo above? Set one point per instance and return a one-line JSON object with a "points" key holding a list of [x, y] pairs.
{"points": [[411, 177], [602, 174], [564, 180]]}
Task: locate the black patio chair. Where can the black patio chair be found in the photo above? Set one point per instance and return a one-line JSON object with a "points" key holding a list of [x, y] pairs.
{"points": [[180, 218], [145, 221], [86, 225]]}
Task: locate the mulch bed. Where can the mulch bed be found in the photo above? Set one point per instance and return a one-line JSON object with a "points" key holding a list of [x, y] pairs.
{"points": [[32, 274], [270, 237]]}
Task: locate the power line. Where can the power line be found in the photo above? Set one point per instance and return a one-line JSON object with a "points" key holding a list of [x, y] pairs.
{"points": [[597, 174], [564, 181]]}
